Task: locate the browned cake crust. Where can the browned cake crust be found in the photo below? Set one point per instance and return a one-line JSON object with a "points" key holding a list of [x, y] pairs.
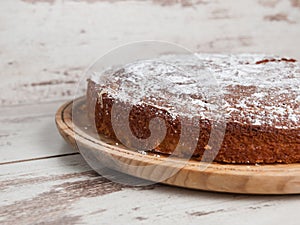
{"points": [[273, 139]]}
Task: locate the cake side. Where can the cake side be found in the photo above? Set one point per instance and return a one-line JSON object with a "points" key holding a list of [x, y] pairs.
{"points": [[262, 117]]}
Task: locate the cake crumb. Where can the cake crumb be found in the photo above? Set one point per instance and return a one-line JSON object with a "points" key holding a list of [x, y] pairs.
{"points": [[207, 147]]}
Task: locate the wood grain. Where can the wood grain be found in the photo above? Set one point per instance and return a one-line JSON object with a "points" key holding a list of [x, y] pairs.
{"points": [[29, 132], [66, 191], [263, 179], [56, 187]]}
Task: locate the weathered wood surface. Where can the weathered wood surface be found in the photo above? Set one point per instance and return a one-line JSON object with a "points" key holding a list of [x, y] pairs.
{"points": [[64, 190], [29, 131], [44, 47]]}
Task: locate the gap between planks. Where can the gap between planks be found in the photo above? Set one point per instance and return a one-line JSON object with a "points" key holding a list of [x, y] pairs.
{"points": [[39, 158]]}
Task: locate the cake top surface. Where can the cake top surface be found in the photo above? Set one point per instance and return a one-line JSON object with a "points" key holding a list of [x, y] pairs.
{"points": [[246, 88]]}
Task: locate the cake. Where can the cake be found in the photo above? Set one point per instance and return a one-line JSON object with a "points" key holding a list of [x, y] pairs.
{"points": [[251, 101]]}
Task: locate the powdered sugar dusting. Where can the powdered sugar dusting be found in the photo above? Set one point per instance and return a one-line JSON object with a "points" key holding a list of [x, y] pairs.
{"points": [[208, 84]]}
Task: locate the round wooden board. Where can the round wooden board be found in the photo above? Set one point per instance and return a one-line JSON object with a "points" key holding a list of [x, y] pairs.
{"points": [[246, 179]]}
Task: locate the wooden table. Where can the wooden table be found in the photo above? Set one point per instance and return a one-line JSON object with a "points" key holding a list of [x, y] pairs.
{"points": [[45, 46]]}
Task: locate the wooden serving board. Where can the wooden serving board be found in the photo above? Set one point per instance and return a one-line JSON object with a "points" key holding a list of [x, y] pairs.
{"points": [[246, 179]]}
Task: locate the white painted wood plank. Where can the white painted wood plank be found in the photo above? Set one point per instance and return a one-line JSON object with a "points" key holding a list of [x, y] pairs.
{"points": [[29, 131], [64, 190], [167, 205]]}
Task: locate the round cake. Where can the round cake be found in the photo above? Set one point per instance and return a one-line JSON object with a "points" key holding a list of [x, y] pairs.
{"points": [[249, 102]]}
